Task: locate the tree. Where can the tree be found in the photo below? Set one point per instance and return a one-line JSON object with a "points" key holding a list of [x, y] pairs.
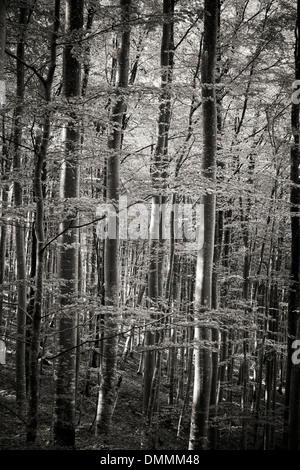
{"points": [[2, 102], [41, 154], [20, 224], [64, 426], [203, 288], [159, 174], [111, 320]]}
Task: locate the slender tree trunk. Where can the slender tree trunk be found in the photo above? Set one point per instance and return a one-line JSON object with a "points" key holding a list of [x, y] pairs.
{"points": [[215, 331], [149, 354], [64, 426], [203, 291], [106, 398], [158, 174], [34, 378], [4, 195], [20, 225]]}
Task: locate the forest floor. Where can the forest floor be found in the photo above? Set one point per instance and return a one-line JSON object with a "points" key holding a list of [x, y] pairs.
{"points": [[127, 419], [127, 423]]}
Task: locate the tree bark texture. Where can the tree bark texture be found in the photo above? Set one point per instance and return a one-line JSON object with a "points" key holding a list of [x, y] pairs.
{"points": [[107, 389], [3, 166], [203, 289], [20, 223], [64, 426], [159, 173], [41, 154]]}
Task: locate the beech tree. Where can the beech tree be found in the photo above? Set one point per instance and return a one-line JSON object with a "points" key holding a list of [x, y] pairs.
{"points": [[64, 426], [108, 383], [39, 192], [203, 287], [20, 223], [2, 102], [159, 173]]}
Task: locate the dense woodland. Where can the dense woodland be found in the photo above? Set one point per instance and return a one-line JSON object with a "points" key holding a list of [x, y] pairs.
{"points": [[149, 230]]}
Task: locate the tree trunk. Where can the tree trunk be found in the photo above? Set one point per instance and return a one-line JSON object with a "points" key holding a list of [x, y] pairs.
{"points": [[39, 232], [64, 426], [20, 225], [4, 169], [158, 175], [203, 291], [111, 319]]}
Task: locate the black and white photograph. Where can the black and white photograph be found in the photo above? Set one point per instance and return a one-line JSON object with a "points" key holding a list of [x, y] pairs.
{"points": [[149, 231]]}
